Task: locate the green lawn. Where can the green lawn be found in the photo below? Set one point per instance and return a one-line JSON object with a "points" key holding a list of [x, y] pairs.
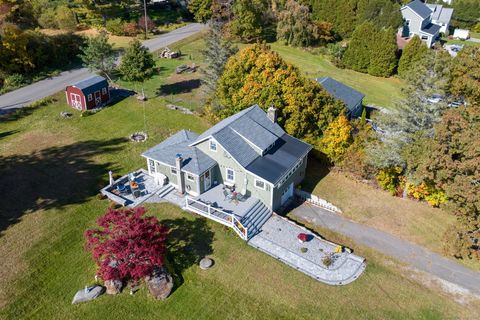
{"points": [[52, 169], [462, 42], [378, 91]]}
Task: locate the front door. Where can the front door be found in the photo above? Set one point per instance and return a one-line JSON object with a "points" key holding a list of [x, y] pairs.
{"points": [[287, 193], [98, 98], [208, 180]]}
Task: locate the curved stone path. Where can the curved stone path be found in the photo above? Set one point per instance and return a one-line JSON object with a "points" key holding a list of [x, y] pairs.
{"points": [[278, 239]]}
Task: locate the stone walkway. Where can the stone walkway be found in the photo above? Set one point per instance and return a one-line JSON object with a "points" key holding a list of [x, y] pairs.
{"points": [[415, 255], [278, 239]]}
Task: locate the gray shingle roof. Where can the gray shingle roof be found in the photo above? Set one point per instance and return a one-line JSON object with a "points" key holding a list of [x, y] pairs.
{"points": [[237, 147], [419, 8], [251, 125], [194, 160], [431, 29], [85, 83], [440, 13], [280, 159], [338, 90]]}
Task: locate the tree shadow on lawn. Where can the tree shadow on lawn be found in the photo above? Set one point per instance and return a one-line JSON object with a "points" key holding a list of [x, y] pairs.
{"points": [[317, 169], [52, 178], [184, 86], [189, 242]]}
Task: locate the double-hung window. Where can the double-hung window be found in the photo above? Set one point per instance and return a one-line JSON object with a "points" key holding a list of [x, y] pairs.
{"points": [[230, 174]]}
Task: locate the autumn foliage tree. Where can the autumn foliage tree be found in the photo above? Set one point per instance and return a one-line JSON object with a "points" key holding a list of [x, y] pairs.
{"points": [[466, 75], [452, 164], [257, 75], [127, 245], [336, 138]]}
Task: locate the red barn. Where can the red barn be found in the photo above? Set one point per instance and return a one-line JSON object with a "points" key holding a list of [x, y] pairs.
{"points": [[89, 93]]}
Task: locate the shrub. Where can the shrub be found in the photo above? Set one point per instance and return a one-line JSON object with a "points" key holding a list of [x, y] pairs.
{"points": [[303, 249], [14, 81], [115, 27], [149, 22], [327, 261], [427, 191], [66, 19], [42, 102], [130, 29], [389, 178], [48, 19]]}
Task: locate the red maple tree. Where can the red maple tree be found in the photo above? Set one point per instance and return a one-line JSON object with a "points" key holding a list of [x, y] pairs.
{"points": [[150, 24], [127, 245]]}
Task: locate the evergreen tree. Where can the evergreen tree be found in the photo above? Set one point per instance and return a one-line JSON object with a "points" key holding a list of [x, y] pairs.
{"points": [[357, 55], [218, 50], [137, 63], [98, 55], [412, 54], [383, 54]]}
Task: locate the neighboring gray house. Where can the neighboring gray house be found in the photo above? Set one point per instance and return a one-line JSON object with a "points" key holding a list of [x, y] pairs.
{"points": [[417, 20], [441, 16], [248, 152], [349, 96]]}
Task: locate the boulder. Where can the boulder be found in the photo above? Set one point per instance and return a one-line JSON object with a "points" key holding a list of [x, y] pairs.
{"points": [[88, 294], [206, 263], [114, 286], [159, 284]]}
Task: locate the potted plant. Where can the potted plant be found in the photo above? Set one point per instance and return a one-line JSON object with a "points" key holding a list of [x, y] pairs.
{"points": [[303, 237]]}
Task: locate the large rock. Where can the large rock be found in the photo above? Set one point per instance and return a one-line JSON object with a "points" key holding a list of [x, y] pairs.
{"points": [[88, 294], [113, 286], [160, 284]]}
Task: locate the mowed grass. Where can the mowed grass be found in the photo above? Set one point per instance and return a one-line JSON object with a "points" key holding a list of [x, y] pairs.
{"points": [[384, 92], [408, 219]]}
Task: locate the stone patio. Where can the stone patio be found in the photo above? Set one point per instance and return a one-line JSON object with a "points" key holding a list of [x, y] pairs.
{"points": [[279, 240]]}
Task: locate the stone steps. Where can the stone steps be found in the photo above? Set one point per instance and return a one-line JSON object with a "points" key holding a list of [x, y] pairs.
{"points": [[165, 190]]}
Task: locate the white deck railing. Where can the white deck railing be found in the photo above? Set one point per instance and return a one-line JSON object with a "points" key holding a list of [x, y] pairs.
{"points": [[216, 214]]}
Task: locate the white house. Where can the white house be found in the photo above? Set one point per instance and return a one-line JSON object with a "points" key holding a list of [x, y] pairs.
{"points": [[441, 16]]}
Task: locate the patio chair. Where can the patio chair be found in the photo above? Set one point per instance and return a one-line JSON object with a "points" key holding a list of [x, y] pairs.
{"points": [[226, 194], [122, 188]]}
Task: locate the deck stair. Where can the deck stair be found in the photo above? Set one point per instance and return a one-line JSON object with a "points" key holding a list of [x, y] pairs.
{"points": [[165, 190], [255, 218]]}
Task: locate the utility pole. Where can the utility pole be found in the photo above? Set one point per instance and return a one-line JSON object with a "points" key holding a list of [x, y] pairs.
{"points": [[145, 17]]}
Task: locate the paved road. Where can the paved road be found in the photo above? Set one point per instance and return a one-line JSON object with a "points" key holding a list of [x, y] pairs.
{"points": [[47, 87], [414, 255]]}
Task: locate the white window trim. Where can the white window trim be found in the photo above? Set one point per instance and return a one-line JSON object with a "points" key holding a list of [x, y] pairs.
{"points": [[172, 169], [263, 182], [190, 177], [226, 174], [210, 145], [90, 97], [104, 90]]}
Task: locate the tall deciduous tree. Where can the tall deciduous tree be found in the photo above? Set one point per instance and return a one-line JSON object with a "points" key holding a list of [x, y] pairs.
{"points": [[127, 245], [452, 163], [201, 9], [137, 63], [98, 55], [412, 55], [336, 138], [466, 75], [249, 19], [256, 75], [296, 28]]}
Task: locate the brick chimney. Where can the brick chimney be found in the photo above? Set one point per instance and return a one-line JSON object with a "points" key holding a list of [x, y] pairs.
{"points": [[272, 114], [180, 180]]}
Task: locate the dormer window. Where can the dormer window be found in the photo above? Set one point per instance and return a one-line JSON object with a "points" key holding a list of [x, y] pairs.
{"points": [[213, 146]]}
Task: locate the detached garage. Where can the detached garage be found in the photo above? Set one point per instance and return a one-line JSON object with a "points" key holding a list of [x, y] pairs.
{"points": [[88, 94]]}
